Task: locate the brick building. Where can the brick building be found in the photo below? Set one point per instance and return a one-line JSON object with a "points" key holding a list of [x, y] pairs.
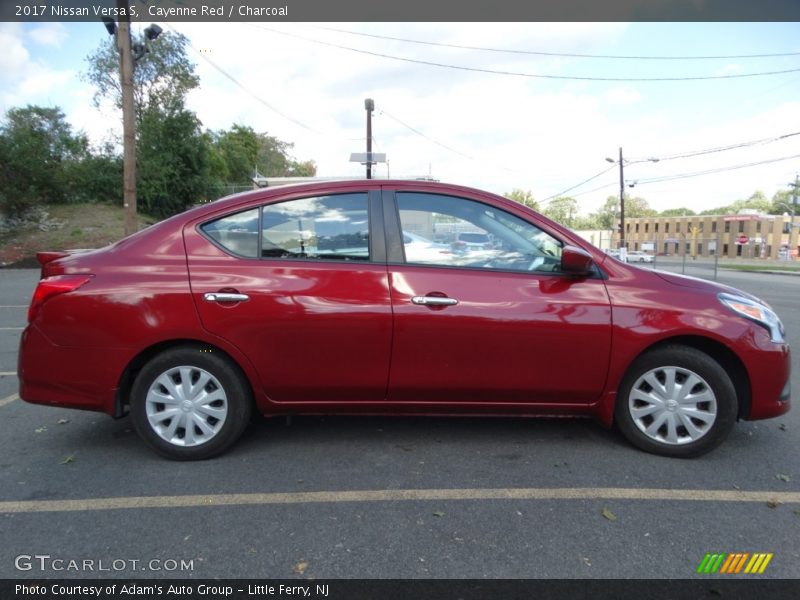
{"points": [[740, 235]]}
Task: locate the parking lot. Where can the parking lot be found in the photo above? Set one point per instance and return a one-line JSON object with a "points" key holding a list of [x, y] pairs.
{"points": [[351, 497]]}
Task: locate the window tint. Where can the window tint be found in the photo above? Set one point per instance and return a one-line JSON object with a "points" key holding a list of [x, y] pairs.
{"points": [[328, 227], [236, 233], [449, 231]]}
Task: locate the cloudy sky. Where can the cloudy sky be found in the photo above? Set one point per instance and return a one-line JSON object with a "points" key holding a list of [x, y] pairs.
{"points": [[546, 123]]}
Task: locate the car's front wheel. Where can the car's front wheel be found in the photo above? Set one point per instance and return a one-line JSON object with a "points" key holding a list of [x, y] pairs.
{"points": [[190, 403], [676, 401]]}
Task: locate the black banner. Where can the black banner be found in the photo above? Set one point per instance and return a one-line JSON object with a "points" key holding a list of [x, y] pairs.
{"points": [[335, 589], [407, 10]]}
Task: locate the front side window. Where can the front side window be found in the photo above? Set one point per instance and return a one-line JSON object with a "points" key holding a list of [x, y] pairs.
{"points": [[324, 228], [455, 232]]}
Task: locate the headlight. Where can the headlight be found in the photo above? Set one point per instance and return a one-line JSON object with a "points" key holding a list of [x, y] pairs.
{"points": [[757, 312]]}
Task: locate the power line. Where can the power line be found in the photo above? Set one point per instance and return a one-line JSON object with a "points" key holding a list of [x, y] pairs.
{"points": [[522, 74], [419, 133], [244, 88], [556, 54], [445, 146], [713, 171], [690, 154], [577, 185]]}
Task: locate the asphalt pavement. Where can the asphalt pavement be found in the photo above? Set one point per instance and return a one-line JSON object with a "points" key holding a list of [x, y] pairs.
{"points": [[349, 497]]}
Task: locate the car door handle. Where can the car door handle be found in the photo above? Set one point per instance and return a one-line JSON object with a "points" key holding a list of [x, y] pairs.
{"points": [[433, 301], [225, 297]]}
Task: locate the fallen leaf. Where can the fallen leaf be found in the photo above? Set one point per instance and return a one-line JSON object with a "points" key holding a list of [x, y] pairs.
{"points": [[40, 429], [301, 567], [773, 503], [609, 515], [438, 513], [782, 427], [783, 477], [63, 421], [736, 487], [68, 459]]}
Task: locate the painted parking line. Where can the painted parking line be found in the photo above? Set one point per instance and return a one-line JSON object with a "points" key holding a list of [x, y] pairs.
{"points": [[13, 306], [7, 373], [332, 497], [9, 399], [11, 328]]}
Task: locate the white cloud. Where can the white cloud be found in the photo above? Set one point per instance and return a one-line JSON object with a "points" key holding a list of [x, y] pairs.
{"points": [[500, 132], [48, 34]]}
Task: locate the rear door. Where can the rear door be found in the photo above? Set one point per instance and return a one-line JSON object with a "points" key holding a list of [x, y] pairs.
{"points": [[301, 288]]}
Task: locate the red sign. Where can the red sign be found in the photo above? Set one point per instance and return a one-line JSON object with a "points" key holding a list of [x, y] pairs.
{"points": [[742, 240]]}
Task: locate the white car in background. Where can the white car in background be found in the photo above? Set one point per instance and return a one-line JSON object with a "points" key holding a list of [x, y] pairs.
{"points": [[421, 249], [639, 256]]}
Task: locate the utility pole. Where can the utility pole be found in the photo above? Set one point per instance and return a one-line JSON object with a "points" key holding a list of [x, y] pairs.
{"points": [[128, 119], [369, 104], [621, 201]]}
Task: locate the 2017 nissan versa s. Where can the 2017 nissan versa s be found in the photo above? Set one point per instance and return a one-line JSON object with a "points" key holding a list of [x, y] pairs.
{"points": [[308, 299]]}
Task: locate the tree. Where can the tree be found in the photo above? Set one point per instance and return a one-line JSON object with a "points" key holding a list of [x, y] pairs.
{"points": [[677, 212], [562, 210], [608, 215], [238, 153], [172, 161], [162, 77], [782, 203], [636, 207], [523, 197], [39, 155]]}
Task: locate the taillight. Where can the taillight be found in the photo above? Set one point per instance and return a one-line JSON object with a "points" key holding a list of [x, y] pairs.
{"points": [[52, 286]]}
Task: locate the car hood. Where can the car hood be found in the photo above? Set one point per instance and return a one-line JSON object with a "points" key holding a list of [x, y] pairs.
{"points": [[703, 285]]}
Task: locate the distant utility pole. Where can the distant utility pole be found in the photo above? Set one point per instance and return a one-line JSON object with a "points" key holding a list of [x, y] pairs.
{"points": [[621, 197], [621, 200], [369, 104], [128, 119]]}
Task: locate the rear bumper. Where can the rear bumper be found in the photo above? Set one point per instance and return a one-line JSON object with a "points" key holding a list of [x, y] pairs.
{"points": [[53, 375]]}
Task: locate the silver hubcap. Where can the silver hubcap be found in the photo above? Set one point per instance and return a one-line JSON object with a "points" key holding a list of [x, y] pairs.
{"points": [[672, 405], [186, 406]]}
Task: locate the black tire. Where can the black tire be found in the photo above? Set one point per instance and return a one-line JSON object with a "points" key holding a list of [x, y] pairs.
{"points": [[680, 428], [218, 406]]}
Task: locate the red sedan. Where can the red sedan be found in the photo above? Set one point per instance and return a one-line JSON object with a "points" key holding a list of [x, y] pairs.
{"points": [[309, 299]]}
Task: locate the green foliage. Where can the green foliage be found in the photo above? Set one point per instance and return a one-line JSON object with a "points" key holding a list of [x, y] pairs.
{"points": [[39, 159], [523, 197], [678, 212], [162, 77], [638, 207], [173, 163], [562, 210]]}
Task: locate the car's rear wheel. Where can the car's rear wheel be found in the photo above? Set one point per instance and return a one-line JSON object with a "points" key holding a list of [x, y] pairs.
{"points": [[190, 403], [676, 401]]}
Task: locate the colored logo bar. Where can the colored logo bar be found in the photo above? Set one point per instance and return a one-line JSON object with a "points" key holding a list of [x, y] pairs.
{"points": [[735, 563]]}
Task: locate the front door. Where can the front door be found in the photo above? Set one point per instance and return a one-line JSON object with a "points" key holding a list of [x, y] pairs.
{"points": [[483, 313]]}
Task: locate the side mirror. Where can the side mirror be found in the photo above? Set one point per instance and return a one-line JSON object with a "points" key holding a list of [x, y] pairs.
{"points": [[576, 261]]}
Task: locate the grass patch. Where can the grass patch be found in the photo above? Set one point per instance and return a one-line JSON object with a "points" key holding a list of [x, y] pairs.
{"points": [[80, 226], [757, 268]]}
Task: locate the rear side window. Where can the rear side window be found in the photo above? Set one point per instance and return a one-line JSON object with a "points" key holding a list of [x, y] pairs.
{"points": [[322, 228], [237, 233]]}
